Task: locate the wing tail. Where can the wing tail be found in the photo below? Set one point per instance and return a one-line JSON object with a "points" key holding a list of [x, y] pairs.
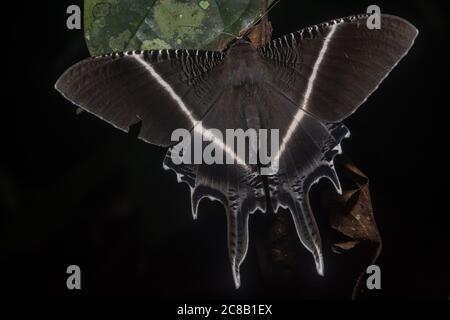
{"points": [[306, 155], [239, 189]]}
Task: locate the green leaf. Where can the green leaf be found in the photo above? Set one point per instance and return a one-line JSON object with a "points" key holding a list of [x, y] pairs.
{"points": [[123, 25]]}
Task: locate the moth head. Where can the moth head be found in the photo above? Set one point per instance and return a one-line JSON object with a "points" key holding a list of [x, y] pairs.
{"points": [[237, 42]]}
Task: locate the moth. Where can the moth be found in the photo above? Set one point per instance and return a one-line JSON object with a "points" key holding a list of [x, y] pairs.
{"points": [[303, 84]]}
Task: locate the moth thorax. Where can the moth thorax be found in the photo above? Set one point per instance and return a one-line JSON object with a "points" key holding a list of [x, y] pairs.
{"points": [[243, 64]]}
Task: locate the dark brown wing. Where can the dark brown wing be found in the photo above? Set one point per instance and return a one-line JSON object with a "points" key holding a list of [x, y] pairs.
{"points": [[165, 89], [330, 69]]}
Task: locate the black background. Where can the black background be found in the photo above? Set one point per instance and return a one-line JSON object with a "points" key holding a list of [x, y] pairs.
{"points": [[74, 190]]}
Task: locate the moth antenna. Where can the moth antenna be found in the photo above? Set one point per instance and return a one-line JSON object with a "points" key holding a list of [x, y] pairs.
{"points": [[222, 32], [264, 14], [229, 34]]}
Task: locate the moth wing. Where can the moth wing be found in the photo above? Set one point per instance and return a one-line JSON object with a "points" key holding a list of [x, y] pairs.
{"points": [[237, 185], [305, 155], [164, 89], [330, 69]]}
